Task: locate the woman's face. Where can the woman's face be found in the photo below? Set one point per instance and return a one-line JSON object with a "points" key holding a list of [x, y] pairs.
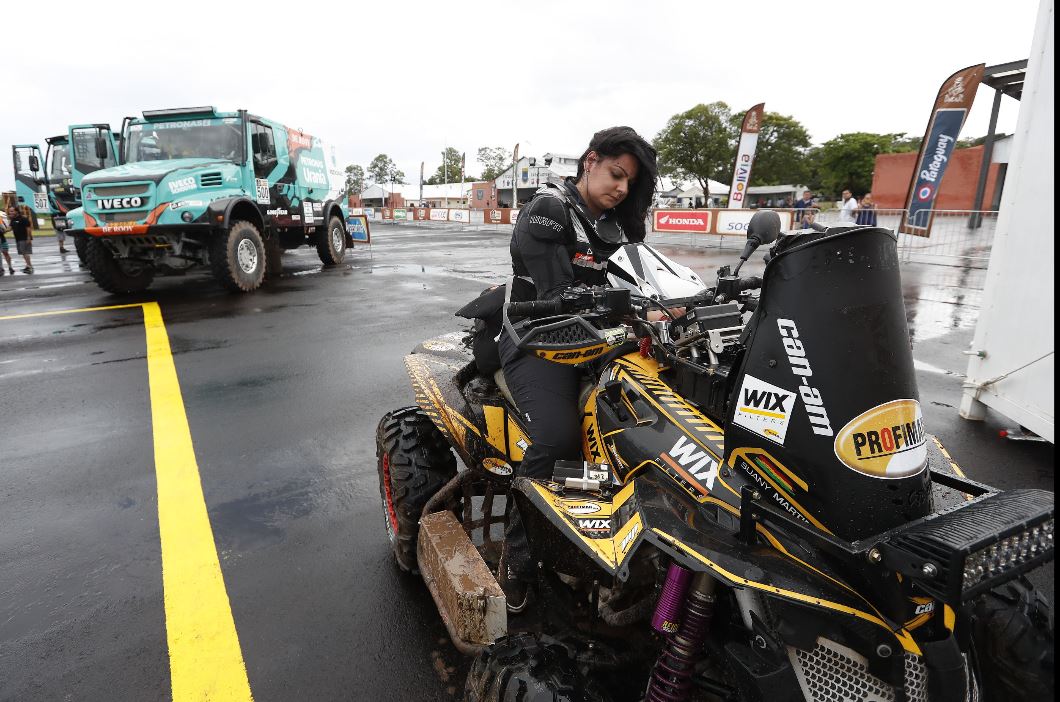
{"points": [[608, 180]]}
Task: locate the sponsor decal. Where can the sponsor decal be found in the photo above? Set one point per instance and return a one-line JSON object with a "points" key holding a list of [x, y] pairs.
{"points": [[521, 443], [431, 345], [495, 216], [584, 354], [695, 461], [887, 441], [496, 466], [780, 499], [595, 527], [627, 540], [181, 184], [681, 221], [764, 408], [745, 154], [925, 608], [276, 213], [800, 366], [119, 203], [296, 218], [177, 204], [40, 201], [261, 191], [545, 222], [579, 508], [307, 211]]}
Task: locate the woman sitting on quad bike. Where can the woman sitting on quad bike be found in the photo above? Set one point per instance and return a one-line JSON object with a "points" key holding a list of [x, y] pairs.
{"points": [[563, 238]]}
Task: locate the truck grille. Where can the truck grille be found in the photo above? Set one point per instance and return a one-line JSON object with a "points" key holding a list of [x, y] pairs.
{"points": [[119, 190], [210, 180], [115, 217]]}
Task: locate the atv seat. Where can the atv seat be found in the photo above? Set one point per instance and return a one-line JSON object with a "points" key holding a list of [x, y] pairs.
{"points": [[498, 378]]}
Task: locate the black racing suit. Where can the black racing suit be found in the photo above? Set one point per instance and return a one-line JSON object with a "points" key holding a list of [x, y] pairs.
{"points": [[557, 244]]}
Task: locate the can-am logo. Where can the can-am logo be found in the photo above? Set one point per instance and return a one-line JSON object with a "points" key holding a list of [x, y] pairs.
{"points": [[887, 441], [800, 366], [682, 222], [119, 203]]}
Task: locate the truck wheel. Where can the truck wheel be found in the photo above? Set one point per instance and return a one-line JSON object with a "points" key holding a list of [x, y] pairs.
{"points": [[273, 258], [80, 246], [414, 462], [331, 242], [237, 256], [1014, 643], [529, 668], [115, 275]]}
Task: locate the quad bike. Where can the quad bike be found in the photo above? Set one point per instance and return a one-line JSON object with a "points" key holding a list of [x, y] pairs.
{"points": [[760, 513]]}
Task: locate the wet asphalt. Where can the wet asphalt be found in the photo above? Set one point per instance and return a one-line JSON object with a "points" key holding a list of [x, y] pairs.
{"points": [[283, 390]]}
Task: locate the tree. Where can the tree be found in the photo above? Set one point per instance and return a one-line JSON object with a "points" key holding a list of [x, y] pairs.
{"points": [[383, 170], [495, 160], [449, 170], [847, 161], [354, 179], [698, 144], [781, 154]]}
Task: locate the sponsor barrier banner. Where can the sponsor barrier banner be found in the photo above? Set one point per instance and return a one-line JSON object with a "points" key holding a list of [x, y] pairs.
{"points": [[439, 215], [357, 226], [400, 213], [420, 213], [745, 154], [513, 215], [356, 210], [497, 216], [695, 221], [951, 108], [387, 213], [478, 217], [459, 216], [734, 222], [369, 212]]}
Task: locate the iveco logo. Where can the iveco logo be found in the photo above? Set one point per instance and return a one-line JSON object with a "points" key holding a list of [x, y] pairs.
{"points": [[118, 203]]}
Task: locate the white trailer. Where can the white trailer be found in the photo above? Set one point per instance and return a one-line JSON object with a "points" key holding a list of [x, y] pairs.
{"points": [[1012, 367]]}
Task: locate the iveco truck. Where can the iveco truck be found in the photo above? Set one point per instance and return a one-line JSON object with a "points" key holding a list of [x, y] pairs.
{"points": [[199, 187]]}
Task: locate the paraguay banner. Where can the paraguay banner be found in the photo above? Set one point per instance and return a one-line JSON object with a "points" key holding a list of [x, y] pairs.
{"points": [[951, 108], [745, 154]]}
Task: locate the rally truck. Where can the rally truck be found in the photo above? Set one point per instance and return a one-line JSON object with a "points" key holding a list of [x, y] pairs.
{"points": [[199, 187]]}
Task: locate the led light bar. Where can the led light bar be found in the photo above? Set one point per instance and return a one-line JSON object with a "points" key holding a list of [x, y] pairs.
{"points": [[180, 112], [962, 552]]}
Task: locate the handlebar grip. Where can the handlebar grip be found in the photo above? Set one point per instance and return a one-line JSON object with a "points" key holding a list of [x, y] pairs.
{"points": [[535, 308], [752, 282], [818, 227]]}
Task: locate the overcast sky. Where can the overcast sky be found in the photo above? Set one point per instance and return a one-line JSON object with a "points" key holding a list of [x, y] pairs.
{"points": [[408, 78]]}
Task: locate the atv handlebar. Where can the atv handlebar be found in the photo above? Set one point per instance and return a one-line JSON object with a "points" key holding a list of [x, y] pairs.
{"points": [[535, 308]]}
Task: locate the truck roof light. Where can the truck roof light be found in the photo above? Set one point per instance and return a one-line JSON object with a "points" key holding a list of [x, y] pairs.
{"points": [[179, 112]]}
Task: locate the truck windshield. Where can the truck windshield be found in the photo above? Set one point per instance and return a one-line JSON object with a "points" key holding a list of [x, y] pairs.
{"points": [[58, 163], [220, 138]]}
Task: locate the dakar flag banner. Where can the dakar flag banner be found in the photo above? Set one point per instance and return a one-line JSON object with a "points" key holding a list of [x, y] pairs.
{"points": [[745, 154], [951, 108]]}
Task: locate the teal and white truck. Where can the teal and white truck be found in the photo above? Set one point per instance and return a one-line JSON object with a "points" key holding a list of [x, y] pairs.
{"points": [[199, 187]]}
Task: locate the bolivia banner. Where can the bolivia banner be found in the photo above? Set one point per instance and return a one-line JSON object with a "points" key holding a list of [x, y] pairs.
{"points": [[947, 117], [745, 154]]}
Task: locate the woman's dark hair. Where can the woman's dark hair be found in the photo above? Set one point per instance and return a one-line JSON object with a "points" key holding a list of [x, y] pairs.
{"points": [[612, 143]]}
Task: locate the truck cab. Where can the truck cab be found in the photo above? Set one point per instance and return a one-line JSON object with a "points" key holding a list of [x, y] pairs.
{"points": [[199, 187]]}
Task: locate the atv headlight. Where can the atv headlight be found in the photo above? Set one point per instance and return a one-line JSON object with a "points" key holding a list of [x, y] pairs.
{"points": [[962, 552]]}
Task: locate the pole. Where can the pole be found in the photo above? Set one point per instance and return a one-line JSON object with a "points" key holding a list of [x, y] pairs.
{"points": [[976, 219], [515, 165]]}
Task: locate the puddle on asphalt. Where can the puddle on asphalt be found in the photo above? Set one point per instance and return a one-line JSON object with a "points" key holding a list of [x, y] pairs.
{"points": [[262, 517]]}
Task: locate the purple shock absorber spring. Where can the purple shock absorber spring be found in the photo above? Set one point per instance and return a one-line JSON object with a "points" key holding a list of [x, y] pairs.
{"points": [[671, 605], [671, 680]]}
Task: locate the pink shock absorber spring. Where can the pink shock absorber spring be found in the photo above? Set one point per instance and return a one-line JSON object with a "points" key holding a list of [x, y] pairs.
{"points": [[671, 605]]}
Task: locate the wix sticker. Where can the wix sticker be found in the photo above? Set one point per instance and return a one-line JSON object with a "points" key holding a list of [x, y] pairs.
{"points": [[764, 408]]}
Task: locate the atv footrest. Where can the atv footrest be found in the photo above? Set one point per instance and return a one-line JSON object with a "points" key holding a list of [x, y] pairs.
{"points": [[468, 597]]}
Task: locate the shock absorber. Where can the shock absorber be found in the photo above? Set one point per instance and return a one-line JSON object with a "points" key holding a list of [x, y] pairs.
{"points": [[671, 680]]}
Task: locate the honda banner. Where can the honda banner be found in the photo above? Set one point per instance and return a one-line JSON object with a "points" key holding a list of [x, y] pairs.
{"points": [[947, 117], [695, 221], [745, 154]]}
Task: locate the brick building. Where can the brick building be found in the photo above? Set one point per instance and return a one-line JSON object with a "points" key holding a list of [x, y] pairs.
{"points": [[893, 172]]}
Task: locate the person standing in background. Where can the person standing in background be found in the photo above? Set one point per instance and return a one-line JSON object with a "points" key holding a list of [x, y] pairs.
{"points": [[847, 207], [20, 227], [5, 227], [802, 205], [866, 212]]}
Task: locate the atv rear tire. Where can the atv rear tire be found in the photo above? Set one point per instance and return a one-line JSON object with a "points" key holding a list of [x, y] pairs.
{"points": [[529, 668], [331, 242], [1014, 643], [237, 257], [414, 462], [113, 275]]}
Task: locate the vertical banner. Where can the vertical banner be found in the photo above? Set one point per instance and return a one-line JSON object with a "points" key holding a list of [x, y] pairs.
{"points": [[745, 155], [515, 167], [462, 157], [951, 108], [421, 182]]}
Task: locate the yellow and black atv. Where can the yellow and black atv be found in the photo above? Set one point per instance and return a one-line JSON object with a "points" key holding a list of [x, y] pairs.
{"points": [[759, 512]]}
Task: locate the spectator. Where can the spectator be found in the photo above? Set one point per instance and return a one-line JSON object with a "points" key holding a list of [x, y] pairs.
{"points": [[802, 204], [866, 212], [4, 228], [20, 226], [847, 207]]}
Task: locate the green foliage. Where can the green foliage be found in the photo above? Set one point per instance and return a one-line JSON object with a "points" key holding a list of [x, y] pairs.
{"points": [[449, 170], [354, 179], [494, 161], [384, 170], [781, 154], [847, 161], [698, 145]]}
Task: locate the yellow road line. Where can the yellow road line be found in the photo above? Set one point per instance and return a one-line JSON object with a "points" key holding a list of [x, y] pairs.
{"points": [[73, 311], [205, 659]]}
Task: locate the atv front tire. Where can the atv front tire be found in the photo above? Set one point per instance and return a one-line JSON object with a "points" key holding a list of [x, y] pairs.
{"points": [[1014, 643], [414, 462], [331, 242], [237, 257], [114, 275], [529, 668]]}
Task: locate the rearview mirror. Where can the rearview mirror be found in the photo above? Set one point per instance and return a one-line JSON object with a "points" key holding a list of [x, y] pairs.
{"points": [[764, 226], [34, 164], [101, 149]]}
